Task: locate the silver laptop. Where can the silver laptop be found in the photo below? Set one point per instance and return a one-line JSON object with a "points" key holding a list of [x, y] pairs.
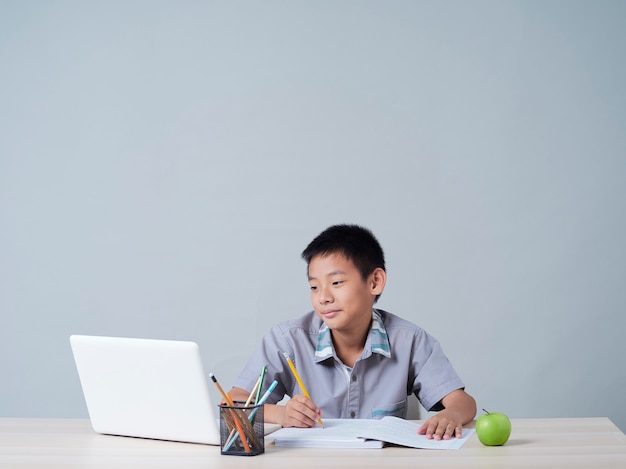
{"points": [[146, 388]]}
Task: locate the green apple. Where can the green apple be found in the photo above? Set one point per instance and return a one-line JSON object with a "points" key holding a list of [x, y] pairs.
{"points": [[493, 428]]}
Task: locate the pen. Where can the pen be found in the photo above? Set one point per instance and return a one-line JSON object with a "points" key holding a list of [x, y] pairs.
{"points": [[300, 383]]}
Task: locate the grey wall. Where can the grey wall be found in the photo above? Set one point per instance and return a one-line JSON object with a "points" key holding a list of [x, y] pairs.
{"points": [[162, 165]]}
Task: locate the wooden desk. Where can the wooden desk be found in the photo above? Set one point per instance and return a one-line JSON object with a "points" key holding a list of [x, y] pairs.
{"points": [[535, 443]]}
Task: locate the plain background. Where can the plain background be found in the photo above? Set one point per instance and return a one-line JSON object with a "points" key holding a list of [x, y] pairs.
{"points": [[164, 163]]}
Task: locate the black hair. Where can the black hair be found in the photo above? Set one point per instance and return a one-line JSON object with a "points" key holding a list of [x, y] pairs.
{"points": [[354, 242]]}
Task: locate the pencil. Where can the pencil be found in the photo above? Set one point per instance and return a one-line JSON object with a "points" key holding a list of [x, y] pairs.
{"points": [[264, 398], [234, 430], [232, 437], [300, 383], [255, 389], [260, 388], [219, 388], [238, 423]]}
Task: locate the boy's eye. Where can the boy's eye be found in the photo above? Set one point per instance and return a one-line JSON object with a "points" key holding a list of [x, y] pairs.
{"points": [[313, 288], [337, 282]]}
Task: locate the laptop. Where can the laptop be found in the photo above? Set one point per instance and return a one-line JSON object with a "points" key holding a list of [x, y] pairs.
{"points": [[146, 388]]}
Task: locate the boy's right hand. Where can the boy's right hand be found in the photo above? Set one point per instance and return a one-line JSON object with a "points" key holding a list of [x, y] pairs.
{"points": [[299, 411]]}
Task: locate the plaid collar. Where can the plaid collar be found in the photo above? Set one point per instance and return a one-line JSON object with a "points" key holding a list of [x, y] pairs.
{"points": [[377, 340]]}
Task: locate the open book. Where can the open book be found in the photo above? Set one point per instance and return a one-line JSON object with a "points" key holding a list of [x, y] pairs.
{"points": [[364, 433]]}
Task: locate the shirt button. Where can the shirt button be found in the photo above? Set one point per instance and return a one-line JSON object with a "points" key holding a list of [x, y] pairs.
{"points": [[352, 414], [353, 377]]}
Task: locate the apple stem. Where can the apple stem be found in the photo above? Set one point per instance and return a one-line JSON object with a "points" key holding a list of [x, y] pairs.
{"points": [[486, 411]]}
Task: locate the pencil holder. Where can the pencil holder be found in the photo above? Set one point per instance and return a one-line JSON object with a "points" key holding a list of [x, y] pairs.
{"points": [[241, 430]]}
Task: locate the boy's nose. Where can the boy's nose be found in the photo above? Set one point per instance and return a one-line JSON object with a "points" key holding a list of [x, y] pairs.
{"points": [[325, 296]]}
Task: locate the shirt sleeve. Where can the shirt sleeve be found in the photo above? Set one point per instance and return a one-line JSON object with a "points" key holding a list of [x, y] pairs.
{"points": [[435, 376], [268, 352]]}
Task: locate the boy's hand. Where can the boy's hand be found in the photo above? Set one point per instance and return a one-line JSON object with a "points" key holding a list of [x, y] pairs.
{"points": [[443, 426], [299, 411], [459, 408]]}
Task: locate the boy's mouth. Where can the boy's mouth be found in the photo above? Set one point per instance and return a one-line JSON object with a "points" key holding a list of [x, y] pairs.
{"points": [[331, 313]]}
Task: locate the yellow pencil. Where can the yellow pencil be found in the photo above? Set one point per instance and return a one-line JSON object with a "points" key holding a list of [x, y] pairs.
{"points": [[300, 383]]}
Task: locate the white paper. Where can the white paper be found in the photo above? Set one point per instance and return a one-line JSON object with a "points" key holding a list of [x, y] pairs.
{"points": [[403, 432], [364, 433], [336, 433]]}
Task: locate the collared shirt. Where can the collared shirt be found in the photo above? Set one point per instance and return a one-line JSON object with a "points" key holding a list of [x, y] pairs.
{"points": [[399, 358]]}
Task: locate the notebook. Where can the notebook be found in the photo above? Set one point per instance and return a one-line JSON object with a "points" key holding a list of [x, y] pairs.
{"points": [[146, 388], [364, 433]]}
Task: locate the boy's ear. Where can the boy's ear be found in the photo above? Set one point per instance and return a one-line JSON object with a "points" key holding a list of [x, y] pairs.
{"points": [[378, 278]]}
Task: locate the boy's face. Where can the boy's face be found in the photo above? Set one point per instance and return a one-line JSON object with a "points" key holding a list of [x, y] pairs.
{"points": [[340, 296]]}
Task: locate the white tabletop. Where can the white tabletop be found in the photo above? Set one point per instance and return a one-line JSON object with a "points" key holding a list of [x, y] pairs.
{"points": [[538, 443]]}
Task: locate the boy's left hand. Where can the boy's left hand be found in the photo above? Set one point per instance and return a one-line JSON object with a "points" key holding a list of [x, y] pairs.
{"points": [[459, 408], [443, 426]]}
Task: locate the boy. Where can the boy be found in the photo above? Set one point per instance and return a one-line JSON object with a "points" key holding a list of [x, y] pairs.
{"points": [[356, 361]]}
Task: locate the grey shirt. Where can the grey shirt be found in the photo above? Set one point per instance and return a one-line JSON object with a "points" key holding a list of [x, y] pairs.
{"points": [[399, 358]]}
